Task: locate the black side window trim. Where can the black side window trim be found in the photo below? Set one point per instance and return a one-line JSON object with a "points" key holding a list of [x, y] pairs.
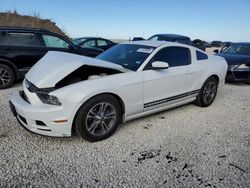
{"points": [[205, 56], [149, 67]]}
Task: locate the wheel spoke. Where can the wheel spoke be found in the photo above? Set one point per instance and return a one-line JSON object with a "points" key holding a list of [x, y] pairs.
{"points": [[92, 113], [93, 126], [104, 126], [5, 80], [1, 83], [4, 77], [4, 73], [100, 108], [206, 97], [104, 108], [110, 116]]}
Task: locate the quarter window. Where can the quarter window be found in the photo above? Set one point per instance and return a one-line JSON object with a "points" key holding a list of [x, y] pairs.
{"points": [[201, 56], [89, 43], [174, 56], [101, 43], [22, 39], [154, 38], [54, 42]]}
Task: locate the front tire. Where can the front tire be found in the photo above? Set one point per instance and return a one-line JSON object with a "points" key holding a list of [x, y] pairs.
{"points": [[7, 76], [207, 93], [98, 118]]}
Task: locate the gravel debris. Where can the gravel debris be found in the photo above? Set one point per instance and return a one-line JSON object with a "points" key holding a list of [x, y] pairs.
{"points": [[186, 146]]}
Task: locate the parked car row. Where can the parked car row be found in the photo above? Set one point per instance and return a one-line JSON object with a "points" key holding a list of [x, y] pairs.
{"points": [[237, 56], [95, 42], [21, 48], [175, 38]]}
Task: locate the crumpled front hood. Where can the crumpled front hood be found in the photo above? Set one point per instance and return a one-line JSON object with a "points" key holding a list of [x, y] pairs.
{"points": [[54, 66], [234, 59]]}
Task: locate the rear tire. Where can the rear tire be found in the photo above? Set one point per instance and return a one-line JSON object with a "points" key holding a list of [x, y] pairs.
{"points": [[7, 76], [207, 93], [98, 118]]}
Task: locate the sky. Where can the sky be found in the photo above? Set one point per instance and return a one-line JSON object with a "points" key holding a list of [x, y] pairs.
{"points": [[226, 20]]}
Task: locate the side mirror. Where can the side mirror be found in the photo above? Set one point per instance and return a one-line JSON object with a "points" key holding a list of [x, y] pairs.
{"points": [[216, 51], [160, 65]]}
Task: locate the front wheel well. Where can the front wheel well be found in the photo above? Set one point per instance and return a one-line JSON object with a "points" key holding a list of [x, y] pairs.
{"points": [[216, 77], [117, 97]]}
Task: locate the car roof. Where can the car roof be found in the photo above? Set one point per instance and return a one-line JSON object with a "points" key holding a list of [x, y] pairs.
{"points": [[89, 38], [23, 28], [155, 43], [173, 36], [245, 43]]}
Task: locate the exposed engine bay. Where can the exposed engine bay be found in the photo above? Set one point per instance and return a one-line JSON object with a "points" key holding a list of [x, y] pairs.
{"points": [[85, 72]]}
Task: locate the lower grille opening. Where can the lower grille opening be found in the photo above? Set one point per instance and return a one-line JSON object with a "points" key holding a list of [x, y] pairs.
{"points": [[23, 119], [40, 123]]}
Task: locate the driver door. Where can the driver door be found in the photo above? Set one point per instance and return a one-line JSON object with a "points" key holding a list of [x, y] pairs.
{"points": [[164, 85]]}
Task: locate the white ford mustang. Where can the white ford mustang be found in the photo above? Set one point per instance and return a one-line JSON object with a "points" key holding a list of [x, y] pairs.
{"points": [[65, 92]]}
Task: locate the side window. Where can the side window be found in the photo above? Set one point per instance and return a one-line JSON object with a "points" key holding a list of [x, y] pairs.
{"points": [[201, 56], [54, 42], [3, 38], [89, 43], [174, 56], [22, 39], [154, 38], [101, 42]]}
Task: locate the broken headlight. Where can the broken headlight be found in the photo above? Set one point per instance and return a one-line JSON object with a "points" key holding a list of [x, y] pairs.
{"points": [[43, 94], [48, 99]]}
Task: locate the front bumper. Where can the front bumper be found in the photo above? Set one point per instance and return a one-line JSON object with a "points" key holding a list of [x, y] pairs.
{"points": [[238, 75], [40, 119]]}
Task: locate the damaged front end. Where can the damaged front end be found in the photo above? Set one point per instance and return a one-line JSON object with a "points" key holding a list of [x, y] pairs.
{"points": [[85, 72], [57, 69], [42, 107]]}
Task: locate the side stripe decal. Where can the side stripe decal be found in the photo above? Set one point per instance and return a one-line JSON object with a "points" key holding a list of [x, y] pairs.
{"points": [[147, 105]]}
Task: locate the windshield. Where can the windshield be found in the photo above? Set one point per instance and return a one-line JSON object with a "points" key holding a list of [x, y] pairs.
{"points": [[130, 56], [241, 49]]}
